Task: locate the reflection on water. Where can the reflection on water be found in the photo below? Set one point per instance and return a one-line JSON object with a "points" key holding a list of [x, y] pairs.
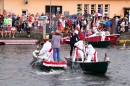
{"points": [[15, 69]]}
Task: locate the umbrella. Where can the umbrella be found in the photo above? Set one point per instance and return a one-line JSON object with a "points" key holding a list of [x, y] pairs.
{"points": [[97, 14]]}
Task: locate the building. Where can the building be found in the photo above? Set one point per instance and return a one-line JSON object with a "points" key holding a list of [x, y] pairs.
{"points": [[109, 7]]}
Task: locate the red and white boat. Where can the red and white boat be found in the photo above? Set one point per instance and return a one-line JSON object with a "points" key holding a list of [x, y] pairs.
{"points": [[48, 64], [97, 37]]}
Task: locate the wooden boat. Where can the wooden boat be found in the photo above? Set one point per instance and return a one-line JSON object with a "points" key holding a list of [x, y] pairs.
{"points": [[97, 44], [100, 44], [92, 67], [48, 64], [2, 43], [97, 37]]}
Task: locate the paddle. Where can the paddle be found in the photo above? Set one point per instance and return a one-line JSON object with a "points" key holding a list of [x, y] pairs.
{"points": [[75, 65], [35, 61], [32, 64]]}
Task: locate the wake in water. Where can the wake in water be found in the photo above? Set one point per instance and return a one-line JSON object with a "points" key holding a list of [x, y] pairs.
{"points": [[52, 72]]}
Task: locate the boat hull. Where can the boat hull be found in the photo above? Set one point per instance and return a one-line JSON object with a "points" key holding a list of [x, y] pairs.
{"points": [[113, 38], [2, 43], [100, 44], [44, 64], [94, 67], [97, 44]]}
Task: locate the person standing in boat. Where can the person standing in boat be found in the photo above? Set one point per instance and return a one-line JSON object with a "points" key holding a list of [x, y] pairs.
{"points": [[80, 49], [73, 39], [56, 40], [92, 54], [102, 35], [47, 51]]}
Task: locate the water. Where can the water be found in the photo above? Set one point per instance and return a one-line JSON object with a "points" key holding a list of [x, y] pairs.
{"points": [[15, 69]]}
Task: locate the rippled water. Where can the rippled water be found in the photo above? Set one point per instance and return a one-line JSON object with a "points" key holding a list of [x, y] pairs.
{"points": [[15, 69]]}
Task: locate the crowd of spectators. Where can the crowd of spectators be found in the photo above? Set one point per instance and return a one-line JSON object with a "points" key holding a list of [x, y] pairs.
{"points": [[10, 24]]}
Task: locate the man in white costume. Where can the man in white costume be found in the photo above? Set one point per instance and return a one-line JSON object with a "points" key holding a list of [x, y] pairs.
{"points": [[92, 54], [103, 36], [46, 52], [80, 50]]}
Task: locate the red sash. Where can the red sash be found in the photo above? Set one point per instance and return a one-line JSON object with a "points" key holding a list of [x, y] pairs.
{"points": [[50, 49], [76, 52], [95, 57]]}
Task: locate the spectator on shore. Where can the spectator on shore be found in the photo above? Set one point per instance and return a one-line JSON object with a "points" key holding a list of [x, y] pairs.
{"points": [[118, 30], [0, 29], [28, 31], [13, 31], [1, 21], [9, 31], [4, 31]]}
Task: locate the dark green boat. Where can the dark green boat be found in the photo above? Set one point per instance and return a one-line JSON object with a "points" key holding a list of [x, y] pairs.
{"points": [[93, 67], [100, 44], [97, 44]]}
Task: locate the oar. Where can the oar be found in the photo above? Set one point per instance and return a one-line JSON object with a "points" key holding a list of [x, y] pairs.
{"points": [[36, 59], [76, 65]]}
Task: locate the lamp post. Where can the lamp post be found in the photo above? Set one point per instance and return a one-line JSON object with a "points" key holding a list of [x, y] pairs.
{"points": [[50, 14]]}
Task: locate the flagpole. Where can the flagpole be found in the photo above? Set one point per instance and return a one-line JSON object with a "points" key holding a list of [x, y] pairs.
{"points": [[50, 14]]}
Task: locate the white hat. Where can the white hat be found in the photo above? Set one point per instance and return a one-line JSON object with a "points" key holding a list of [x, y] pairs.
{"points": [[76, 31]]}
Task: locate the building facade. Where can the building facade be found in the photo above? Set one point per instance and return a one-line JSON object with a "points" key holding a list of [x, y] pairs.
{"points": [[109, 7]]}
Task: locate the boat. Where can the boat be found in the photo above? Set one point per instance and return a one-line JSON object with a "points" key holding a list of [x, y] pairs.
{"points": [[100, 44], [91, 67], [97, 44], [2, 43], [44, 63], [97, 37]]}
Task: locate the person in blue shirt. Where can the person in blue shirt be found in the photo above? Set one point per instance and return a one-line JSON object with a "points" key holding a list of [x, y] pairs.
{"points": [[108, 24], [100, 11], [118, 29]]}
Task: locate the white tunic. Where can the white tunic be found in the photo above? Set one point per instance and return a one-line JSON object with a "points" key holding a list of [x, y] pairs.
{"points": [[90, 50], [80, 45], [46, 47]]}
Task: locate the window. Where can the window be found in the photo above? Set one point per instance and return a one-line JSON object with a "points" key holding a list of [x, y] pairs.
{"points": [[79, 9], [24, 12], [86, 8], [93, 8], [106, 10], [100, 6]]}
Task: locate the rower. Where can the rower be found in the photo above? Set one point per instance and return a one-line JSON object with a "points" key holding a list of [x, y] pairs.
{"points": [[80, 50], [46, 51], [92, 54]]}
